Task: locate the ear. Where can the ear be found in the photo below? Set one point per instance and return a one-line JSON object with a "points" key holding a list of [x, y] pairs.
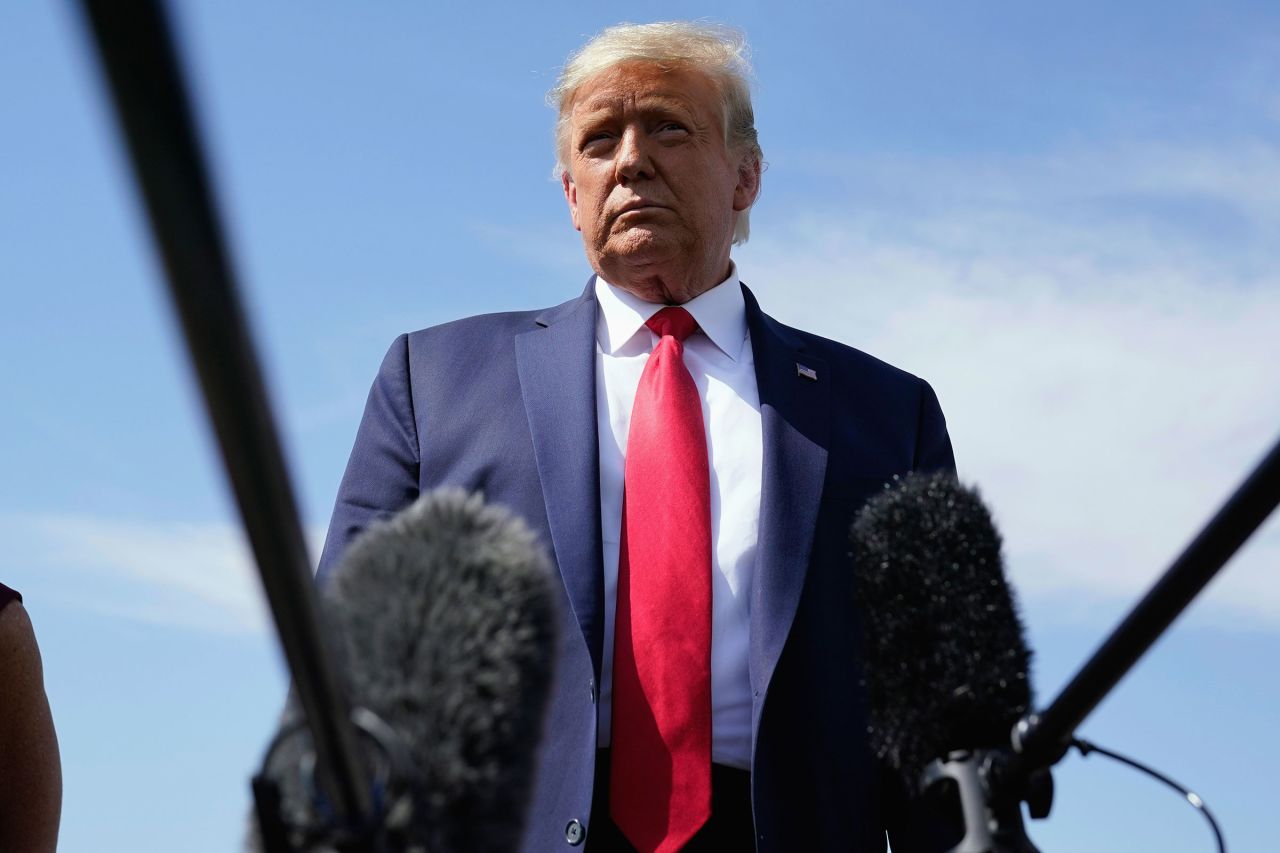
{"points": [[748, 188], [571, 196]]}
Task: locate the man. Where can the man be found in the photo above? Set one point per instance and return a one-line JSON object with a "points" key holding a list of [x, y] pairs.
{"points": [[707, 692]]}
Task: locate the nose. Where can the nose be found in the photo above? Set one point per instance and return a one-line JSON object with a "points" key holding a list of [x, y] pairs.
{"points": [[633, 162]]}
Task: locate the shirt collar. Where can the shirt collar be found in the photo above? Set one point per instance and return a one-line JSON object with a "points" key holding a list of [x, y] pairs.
{"points": [[721, 313]]}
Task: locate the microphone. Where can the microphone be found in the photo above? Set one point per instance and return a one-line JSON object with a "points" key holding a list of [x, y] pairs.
{"points": [[947, 664], [445, 618]]}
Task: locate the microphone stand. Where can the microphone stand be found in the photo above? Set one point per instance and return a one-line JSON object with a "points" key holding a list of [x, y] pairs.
{"points": [[145, 81], [993, 783]]}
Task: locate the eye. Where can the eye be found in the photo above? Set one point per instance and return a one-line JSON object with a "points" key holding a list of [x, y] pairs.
{"points": [[670, 132], [595, 141]]}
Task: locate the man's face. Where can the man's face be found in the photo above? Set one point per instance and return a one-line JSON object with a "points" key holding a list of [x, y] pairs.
{"points": [[651, 185]]}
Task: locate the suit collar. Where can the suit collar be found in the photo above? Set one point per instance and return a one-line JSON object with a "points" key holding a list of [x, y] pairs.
{"points": [[570, 309], [720, 313]]}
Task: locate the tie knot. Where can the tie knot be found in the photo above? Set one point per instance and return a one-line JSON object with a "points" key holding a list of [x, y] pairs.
{"points": [[673, 321]]}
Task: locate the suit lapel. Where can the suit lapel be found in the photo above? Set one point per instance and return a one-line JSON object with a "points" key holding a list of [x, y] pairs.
{"points": [[795, 421], [556, 366]]}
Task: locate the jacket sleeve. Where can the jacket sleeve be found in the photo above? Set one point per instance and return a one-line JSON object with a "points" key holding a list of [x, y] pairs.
{"points": [[933, 445], [913, 827], [382, 473]]}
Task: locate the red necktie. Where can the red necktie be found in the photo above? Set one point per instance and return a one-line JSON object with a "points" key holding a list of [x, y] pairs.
{"points": [[660, 781]]}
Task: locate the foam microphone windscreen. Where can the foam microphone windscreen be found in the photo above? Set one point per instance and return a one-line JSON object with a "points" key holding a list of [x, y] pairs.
{"points": [[445, 620], [946, 659]]}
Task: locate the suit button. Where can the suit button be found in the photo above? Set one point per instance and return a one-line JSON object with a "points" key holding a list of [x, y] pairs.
{"points": [[574, 833]]}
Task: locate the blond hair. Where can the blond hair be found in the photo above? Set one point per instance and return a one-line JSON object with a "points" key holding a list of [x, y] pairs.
{"points": [[718, 51]]}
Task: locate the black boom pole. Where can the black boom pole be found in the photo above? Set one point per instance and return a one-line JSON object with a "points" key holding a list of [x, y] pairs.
{"points": [[136, 51], [989, 784], [1042, 739]]}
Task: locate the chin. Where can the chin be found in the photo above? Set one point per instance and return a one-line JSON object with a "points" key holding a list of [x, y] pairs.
{"points": [[650, 291], [642, 246]]}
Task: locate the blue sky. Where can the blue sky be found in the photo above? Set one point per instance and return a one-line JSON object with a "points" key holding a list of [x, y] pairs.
{"points": [[1063, 215]]}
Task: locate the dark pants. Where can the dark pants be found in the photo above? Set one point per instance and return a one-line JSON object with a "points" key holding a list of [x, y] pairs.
{"points": [[728, 830]]}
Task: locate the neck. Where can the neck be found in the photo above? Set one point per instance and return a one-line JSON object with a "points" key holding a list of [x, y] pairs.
{"points": [[666, 285]]}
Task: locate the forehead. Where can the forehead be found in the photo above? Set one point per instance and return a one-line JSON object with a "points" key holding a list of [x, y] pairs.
{"points": [[647, 85]]}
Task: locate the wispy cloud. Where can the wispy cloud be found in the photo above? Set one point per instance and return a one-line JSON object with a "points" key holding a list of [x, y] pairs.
{"points": [[1101, 329], [553, 248], [195, 576]]}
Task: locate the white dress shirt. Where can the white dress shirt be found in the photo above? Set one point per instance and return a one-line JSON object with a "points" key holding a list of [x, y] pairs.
{"points": [[720, 360]]}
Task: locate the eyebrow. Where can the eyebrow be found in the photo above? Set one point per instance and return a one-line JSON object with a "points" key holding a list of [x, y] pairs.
{"points": [[650, 103]]}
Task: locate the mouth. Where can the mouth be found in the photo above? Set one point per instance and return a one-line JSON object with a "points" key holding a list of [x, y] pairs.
{"points": [[639, 205]]}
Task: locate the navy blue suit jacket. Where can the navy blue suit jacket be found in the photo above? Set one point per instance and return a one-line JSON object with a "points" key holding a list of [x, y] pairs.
{"points": [[505, 404]]}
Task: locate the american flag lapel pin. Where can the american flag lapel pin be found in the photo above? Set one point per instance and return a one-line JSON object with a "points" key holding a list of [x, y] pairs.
{"points": [[807, 372]]}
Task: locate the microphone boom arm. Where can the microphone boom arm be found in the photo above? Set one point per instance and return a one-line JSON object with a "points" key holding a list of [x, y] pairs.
{"points": [[1042, 739], [137, 56], [990, 784]]}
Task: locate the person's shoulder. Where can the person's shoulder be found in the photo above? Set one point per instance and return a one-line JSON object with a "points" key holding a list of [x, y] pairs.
{"points": [[477, 325], [463, 344], [888, 395], [495, 325], [848, 361]]}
